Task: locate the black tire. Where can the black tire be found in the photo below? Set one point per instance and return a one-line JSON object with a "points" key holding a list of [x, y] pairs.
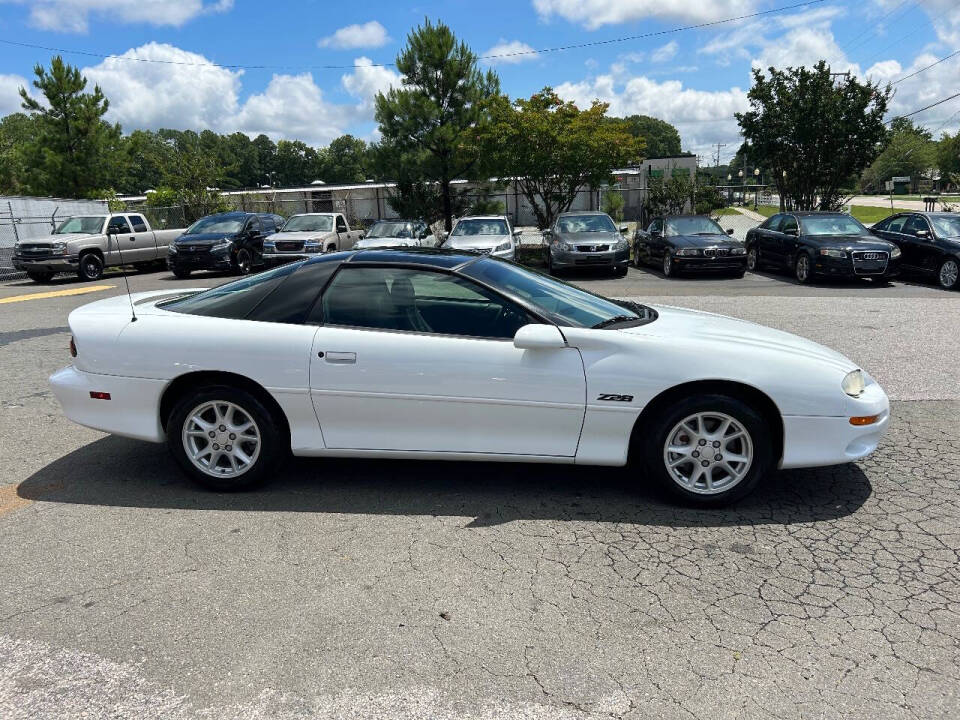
{"points": [[40, 277], [654, 445], [271, 440], [753, 258], [90, 267], [620, 271], [668, 268], [242, 262], [635, 256], [803, 268], [181, 274], [550, 270], [946, 271]]}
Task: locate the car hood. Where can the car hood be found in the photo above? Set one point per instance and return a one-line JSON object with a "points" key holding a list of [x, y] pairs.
{"points": [[673, 322], [701, 241], [475, 242], [298, 235], [50, 239], [850, 242], [204, 238], [590, 238]]}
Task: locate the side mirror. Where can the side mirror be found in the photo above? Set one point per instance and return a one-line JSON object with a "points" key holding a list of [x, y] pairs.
{"points": [[547, 232], [923, 234], [517, 233], [624, 229], [655, 233], [539, 337], [791, 231], [361, 236], [729, 231]]}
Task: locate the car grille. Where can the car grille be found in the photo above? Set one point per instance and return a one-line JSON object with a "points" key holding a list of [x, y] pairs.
{"points": [[194, 249], [869, 262], [716, 252], [289, 246], [593, 248], [35, 252], [592, 261]]}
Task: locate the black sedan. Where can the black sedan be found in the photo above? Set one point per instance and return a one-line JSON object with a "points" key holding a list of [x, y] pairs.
{"points": [[826, 244], [689, 243], [226, 241], [930, 243]]}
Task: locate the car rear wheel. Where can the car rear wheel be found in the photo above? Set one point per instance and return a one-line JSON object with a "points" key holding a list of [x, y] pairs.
{"points": [[40, 277], [224, 438], [949, 274], [90, 267], [709, 450], [242, 262], [803, 269]]}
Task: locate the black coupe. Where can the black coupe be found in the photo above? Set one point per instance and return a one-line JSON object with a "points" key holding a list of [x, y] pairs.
{"points": [[689, 243]]}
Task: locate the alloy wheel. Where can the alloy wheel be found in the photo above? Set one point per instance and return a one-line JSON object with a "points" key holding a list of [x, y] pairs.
{"points": [[752, 259], [667, 264], [221, 439], [949, 272], [91, 267], [243, 262], [708, 453], [803, 268]]}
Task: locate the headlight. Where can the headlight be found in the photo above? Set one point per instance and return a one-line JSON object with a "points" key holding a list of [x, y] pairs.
{"points": [[830, 252], [172, 248], [561, 245], [314, 247], [683, 252], [895, 253], [853, 383], [503, 247], [222, 245], [738, 251], [59, 247]]}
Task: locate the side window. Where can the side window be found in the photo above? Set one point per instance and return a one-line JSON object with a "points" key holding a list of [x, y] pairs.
{"points": [[773, 223], [341, 224], [656, 226], [253, 224], [914, 224], [139, 224], [789, 223], [417, 301], [118, 225], [895, 224], [290, 301]]}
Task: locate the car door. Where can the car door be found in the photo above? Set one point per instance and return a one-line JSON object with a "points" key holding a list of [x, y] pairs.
{"points": [[767, 238], [144, 241], [252, 238], [422, 360], [121, 242], [787, 241], [655, 242], [920, 252], [344, 241]]}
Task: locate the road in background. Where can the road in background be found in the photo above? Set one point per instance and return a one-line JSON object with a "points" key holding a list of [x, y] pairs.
{"points": [[455, 590]]}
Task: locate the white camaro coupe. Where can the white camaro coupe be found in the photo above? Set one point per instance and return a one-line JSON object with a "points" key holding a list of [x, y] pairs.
{"points": [[457, 356]]}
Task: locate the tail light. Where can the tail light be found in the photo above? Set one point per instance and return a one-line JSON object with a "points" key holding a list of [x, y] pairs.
{"points": [[73, 347]]}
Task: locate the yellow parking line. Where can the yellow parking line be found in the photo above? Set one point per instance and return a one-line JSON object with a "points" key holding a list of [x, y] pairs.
{"points": [[9, 500], [56, 293]]}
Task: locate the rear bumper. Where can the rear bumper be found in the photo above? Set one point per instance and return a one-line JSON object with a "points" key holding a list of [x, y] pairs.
{"points": [[133, 409], [816, 441]]}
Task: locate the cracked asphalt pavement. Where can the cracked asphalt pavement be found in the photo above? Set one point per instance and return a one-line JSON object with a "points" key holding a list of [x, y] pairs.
{"points": [[360, 589]]}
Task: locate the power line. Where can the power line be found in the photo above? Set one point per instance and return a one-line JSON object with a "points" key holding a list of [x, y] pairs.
{"points": [[559, 48], [923, 69], [927, 107]]}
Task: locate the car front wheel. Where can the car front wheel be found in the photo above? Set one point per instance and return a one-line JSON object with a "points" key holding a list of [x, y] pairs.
{"points": [[753, 259], [90, 267], [803, 269], [668, 270], [242, 262], [949, 273], [224, 438], [709, 450]]}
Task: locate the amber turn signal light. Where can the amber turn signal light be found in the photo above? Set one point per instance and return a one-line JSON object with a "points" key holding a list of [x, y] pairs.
{"points": [[864, 419]]}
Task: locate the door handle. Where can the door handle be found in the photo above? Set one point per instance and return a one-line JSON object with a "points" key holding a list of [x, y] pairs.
{"points": [[340, 358]]}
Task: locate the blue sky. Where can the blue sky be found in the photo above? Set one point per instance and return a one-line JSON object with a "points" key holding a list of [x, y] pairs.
{"points": [[695, 79]]}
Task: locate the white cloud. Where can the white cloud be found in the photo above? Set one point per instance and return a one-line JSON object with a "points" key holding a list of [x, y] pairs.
{"points": [[74, 15], [702, 117], [10, 93], [152, 95], [924, 89], [665, 53], [595, 13], [510, 53], [367, 80], [292, 107], [944, 17], [804, 46], [367, 35]]}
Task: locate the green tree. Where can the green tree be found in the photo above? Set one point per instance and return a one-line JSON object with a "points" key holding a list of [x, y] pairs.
{"points": [[670, 196], [613, 203], [553, 150], [296, 163], [948, 159], [909, 151], [17, 132], [433, 115], [818, 132], [662, 138], [73, 151], [346, 160]]}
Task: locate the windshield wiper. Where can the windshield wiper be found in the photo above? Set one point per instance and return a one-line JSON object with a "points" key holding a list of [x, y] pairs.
{"points": [[614, 320]]}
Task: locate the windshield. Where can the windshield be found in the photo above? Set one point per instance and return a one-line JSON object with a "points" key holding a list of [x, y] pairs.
{"points": [[390, 230], [561, 303], [87, 225], [832, 225], [480, 227], [946, 226], [693, 226], [585, 224], [309, 223], [215, 224]]}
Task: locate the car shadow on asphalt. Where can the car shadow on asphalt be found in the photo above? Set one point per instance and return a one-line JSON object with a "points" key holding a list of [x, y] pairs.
{"points": [[116, 472]]}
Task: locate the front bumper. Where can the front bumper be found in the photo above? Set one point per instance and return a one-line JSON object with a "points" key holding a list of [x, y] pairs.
{"points": [[577, 259], [693, 263], [281, 258], [199, 261], [815, 441], [133, 409], [846, 268], [58, 263]]}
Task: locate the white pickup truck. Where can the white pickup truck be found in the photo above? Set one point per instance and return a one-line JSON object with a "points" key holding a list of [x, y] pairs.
{"points": [[86, 244], [307, 234]]}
